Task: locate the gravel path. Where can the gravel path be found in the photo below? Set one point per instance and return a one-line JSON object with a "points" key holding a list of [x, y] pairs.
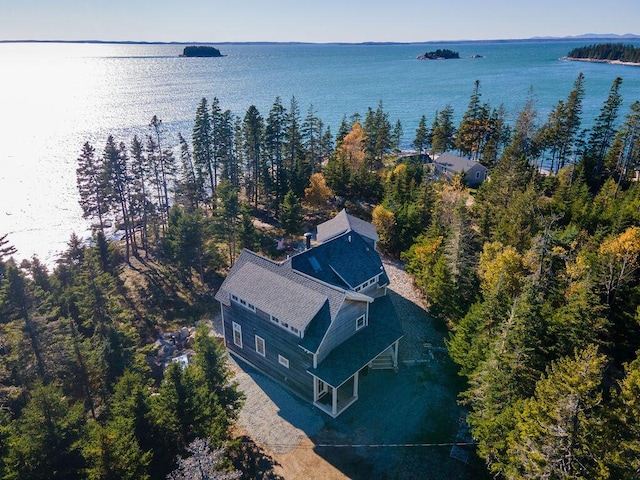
{"points": [[422, 334]]}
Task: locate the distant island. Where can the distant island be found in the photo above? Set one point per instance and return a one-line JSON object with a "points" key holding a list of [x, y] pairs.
{"points": [[201, 51], [439, 54], [616, 53]]}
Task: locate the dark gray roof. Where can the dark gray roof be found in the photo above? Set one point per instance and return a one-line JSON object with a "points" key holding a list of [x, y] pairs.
{"points": [[356, 352], [456, 164], [346, 261], [316, 330], [343, 222], [279, 290]]}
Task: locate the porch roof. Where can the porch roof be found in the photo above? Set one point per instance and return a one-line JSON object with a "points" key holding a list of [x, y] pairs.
{"points": [[356, 352]]}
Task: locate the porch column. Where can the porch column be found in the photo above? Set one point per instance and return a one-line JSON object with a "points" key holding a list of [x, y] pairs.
{"points": [[334, 405], [355, 384], [395, 353], [315, 389]]}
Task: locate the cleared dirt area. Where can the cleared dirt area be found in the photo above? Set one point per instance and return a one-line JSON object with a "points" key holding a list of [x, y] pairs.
{"points": [[401, 427]]}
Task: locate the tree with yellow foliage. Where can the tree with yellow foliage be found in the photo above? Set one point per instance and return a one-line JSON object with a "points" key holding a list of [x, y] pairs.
{"points": [[620, 257], [318, 193]]}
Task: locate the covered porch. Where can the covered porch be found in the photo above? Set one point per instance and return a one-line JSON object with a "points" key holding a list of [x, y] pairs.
{"points": [[333, 394]]}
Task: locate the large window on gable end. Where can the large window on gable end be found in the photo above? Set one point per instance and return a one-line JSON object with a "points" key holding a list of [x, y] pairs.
{"points": [[360, 322], [237, 334], [260, 346]]}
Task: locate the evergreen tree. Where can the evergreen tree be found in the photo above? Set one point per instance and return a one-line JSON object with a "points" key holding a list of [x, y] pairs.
{"points": [[295, 162], [92, 186], [223, 135], [253, 126], [602, 134], [202, 141], [116, 163], [139, 203], [311, 131], [44, 441], [184, 242], [421, 142], [164, 167], [443, 132], [555, 433], [274, 142], [227, 217], [377, 136], [248, 234], [291, 214], [559, 134], [189, 186]]}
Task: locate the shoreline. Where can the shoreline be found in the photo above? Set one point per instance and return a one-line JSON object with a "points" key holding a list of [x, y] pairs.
{"points": [[597, 60]]}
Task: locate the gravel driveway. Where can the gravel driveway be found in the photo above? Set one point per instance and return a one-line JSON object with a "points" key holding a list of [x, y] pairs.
{"points": [[412, 409]]}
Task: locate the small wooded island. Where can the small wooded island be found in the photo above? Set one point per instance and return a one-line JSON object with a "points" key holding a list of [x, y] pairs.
{"points": [[618, 53], [201, 51], [439, 54]]}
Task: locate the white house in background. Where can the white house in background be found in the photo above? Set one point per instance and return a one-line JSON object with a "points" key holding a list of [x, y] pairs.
{"points": [[447, 165]]}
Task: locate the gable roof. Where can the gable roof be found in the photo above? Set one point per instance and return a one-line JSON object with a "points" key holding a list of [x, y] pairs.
{"points": [[279, 290], [346, 261], [342, 223], [358, 350], [457, 164]]}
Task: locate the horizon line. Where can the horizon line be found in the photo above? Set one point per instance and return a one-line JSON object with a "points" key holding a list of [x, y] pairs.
{"points": [[587, 36]]}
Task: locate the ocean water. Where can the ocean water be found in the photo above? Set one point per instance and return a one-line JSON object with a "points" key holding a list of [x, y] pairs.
{"points": [[55, 97]]}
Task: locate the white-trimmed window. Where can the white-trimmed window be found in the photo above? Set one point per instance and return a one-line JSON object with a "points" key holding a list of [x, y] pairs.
{"points": [[275, 320], [243, 302], [237, 334], [360, 322], [260, 346], [283, 361]]}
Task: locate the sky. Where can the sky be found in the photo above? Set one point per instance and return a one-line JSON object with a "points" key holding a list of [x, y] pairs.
{"points": [[312, 21]]}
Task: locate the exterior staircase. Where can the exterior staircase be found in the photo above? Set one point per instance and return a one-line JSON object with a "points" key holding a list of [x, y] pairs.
{"points": [[384, 361]]}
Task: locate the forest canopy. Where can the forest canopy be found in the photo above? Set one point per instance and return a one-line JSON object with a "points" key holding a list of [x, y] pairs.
{"points": [[620, 52]]}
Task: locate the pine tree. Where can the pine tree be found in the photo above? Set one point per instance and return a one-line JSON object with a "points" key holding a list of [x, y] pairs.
{"points": [[92, 186], [274, 142], [443, 132], [311, 131], [116, 164], [139, 203], [421, 142], [253, 126], [559, 134], [555, 433], [202, 141], [602, 135], [291, 214], [44, 441], [188, 187], [295, 161]]}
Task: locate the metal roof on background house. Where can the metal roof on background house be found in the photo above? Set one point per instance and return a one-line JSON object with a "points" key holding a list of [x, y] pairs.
{"points": [[343, 222], [456, 164], [346, 261]]}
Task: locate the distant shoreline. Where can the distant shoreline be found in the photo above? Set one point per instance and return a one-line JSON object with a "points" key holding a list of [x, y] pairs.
{"points": [[427, 42], [597, 60]]}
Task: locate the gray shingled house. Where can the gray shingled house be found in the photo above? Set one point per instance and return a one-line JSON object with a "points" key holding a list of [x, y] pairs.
{"points": [[447, 165], [318, 320]]}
